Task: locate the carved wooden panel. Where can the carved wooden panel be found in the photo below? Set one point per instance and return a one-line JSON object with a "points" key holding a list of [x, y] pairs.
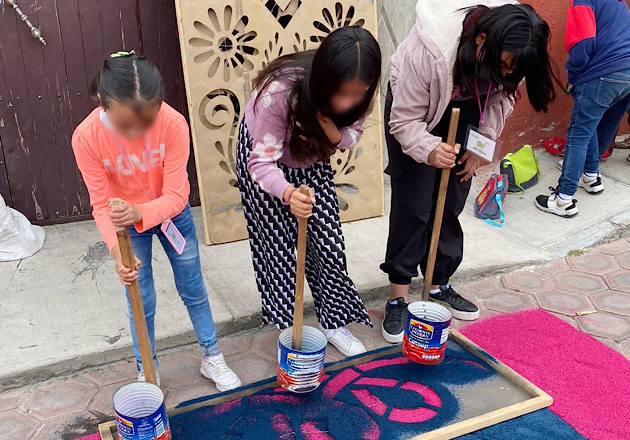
{"points": [[224, 43]]}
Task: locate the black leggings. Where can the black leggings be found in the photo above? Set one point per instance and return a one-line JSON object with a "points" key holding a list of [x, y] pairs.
{"points": [[414, 195]]}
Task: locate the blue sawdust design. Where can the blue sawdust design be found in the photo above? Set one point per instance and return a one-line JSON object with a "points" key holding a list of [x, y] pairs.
{"points": [[376, 400]]}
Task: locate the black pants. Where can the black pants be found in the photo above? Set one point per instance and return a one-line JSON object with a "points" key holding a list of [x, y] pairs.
{"points": [[414, 194]]}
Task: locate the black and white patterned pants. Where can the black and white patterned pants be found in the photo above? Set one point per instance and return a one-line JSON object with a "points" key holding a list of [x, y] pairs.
{"points": [[273, 238]]}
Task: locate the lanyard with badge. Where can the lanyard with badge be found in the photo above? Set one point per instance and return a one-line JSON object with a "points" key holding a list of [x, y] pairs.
{"points": [[170, 231], [476, 142]]}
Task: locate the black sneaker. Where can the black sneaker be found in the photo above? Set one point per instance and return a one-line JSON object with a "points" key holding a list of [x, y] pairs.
{"points": [[393, 327], [459, 306]]}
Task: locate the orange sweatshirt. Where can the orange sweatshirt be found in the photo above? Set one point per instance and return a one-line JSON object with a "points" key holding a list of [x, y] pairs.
{"points": [[107, 175]]}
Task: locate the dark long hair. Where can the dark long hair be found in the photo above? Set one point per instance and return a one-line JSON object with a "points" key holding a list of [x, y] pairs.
{"points": [[130, 78], [345, 54], [514, 28]]}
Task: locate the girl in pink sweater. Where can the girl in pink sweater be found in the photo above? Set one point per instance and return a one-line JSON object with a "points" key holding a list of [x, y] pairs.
{"points": [[135, 147], [304, 108], [466, 54]]}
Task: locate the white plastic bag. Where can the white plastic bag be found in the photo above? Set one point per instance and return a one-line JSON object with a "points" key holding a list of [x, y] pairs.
{"points": [[18, 238]]}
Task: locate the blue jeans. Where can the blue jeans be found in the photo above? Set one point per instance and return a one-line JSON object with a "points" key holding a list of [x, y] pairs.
{"points": [[188, 280], [599, 108]]}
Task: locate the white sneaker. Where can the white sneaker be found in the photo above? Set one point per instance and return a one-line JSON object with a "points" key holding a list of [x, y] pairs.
{"points": [[215, 369], [141, 377], [592, 185], [555, 205], [344, 341]]}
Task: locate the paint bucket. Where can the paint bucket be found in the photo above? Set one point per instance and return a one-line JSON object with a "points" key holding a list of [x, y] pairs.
{"points": [[141, 413], [426, 332], [301, 371]]}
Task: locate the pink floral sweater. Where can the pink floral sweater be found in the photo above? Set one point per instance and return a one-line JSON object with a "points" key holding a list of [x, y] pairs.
{"points": [[266, 122]]}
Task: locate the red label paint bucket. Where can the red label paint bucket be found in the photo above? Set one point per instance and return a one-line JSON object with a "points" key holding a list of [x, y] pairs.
{"points": [[141, 413], [300, 371], [426, 332]]}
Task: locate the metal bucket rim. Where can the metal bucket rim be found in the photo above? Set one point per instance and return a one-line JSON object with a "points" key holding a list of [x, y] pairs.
{"points": [[418, 307], [310, 334], [144, 391]]}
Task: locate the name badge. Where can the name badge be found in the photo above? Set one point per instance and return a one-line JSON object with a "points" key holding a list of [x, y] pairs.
{"points": [[481, 145], [174, 237]]}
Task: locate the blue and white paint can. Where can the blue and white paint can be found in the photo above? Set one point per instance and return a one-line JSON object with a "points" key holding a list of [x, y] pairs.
{"points": [[141, 413]]}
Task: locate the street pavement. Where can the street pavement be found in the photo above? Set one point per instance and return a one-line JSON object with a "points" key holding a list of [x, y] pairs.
{"points": [[589, 290]]}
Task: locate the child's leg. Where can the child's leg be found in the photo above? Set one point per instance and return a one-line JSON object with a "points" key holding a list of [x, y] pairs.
{"points": [[272, 234], [190, 283], [336, 299], [142, 247], [411, 206], [607, 131], [582, 143], [409, 223]]}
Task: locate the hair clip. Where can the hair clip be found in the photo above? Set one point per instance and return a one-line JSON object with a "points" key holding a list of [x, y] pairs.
{"points": [[122, 54]]}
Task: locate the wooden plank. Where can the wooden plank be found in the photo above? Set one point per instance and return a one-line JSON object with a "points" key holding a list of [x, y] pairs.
{"points": [[60, 109], [49, 197], [77, 83], [538, 398], [111, 27], [5, 191], [150, 36], [18, 131], [91, 36], [128, 24]]}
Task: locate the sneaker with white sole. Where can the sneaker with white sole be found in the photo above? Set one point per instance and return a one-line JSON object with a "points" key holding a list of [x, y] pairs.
{"points": [[215, 369], [141, 377], [344, 341], [592, 185], [395, 321], [555, 205], [459, 306]]}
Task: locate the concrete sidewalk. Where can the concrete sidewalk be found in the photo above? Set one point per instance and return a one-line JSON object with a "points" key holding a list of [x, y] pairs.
{"points": [[63, 310]]}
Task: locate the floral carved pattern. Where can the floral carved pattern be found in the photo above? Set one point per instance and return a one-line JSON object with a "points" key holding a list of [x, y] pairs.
{"points": [[220, 110], [340, 17], [224, 43], [227, 42], [343, 164], [283, 11]]}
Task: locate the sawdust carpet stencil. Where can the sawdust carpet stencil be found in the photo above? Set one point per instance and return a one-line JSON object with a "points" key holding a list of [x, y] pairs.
{"points": [[224, 45]]}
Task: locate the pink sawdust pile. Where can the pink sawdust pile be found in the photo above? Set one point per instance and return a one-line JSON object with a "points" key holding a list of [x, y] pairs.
{"points": [[589, 382]]}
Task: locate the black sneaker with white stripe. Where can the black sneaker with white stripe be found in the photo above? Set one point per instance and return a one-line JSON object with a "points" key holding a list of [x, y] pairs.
{"points": [[555, 205], [592, 185], [459, 306]]}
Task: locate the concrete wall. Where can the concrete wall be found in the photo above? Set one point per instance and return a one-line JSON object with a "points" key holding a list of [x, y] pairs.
{"points": [[396, 17]]}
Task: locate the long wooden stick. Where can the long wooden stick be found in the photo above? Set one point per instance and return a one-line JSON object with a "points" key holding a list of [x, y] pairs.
{"points": [[298, 310], [439, 210], [135, 299]]}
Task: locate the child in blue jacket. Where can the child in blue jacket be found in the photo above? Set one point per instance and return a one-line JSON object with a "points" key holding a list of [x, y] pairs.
{"points": [[598, 42]]}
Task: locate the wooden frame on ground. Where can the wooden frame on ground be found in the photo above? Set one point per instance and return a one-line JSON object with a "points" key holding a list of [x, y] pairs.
{"points": [[538, 398]]}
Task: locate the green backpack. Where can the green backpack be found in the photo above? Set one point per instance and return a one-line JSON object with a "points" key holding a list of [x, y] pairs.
{"points": [[522, 169]]}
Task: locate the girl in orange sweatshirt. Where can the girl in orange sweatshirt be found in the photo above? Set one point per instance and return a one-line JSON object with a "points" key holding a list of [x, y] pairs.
{"points": [[135, 147]]}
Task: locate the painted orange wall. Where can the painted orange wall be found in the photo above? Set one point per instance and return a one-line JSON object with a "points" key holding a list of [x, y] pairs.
{"points": [[526, 126]]}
